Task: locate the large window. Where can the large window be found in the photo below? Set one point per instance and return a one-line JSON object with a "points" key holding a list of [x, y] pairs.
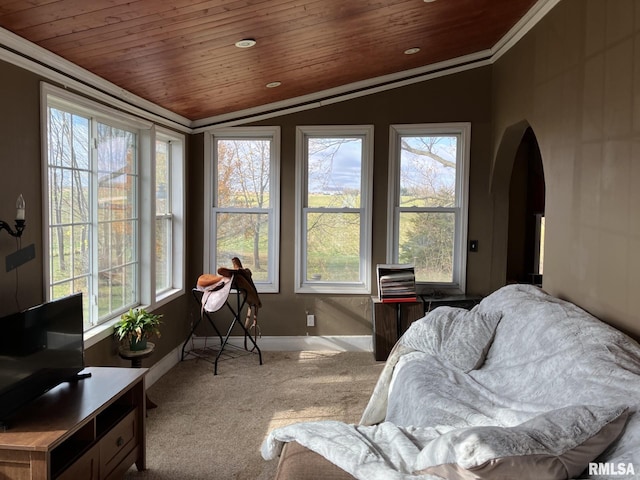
{"points": [[428, 202], [99, 217], [333, 215], [245, 201]]}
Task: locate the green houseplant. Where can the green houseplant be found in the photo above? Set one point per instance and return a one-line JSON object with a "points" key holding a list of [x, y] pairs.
{"points": [[136, 326]]}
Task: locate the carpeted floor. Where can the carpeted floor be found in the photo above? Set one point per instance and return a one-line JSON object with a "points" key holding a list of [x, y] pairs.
{"points": [[211, 427]]}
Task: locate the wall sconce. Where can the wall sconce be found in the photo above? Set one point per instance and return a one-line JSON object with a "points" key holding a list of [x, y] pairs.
{"points": [[20, 222]]}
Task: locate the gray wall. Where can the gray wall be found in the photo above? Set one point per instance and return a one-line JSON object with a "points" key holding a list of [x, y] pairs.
{"points": [[20, 172], [461, 97], [575, 78]]}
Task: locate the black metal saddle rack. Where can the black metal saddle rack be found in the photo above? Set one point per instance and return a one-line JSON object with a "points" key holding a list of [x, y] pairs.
{"points": [[235, 303]]}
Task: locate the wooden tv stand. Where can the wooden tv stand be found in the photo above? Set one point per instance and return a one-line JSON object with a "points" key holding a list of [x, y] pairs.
{"points": [[92, 429]]}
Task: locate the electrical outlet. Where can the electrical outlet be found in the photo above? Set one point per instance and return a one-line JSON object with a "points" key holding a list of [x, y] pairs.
{"points": [[311, 320]]}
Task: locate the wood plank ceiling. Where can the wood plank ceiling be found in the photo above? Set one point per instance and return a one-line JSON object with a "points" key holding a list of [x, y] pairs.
{"points": [[180, 54]]}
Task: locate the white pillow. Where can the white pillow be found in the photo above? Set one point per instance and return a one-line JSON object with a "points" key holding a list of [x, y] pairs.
{"points": [[555, 445], [461, 337]]}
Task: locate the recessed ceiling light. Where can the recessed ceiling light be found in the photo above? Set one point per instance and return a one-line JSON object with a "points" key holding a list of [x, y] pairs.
{"points": [[273, 84], [246, 43], [429, 1], [411, 51]]}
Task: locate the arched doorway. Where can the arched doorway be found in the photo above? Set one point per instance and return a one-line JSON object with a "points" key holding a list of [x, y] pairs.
{"points": [[518, 189], [526, 213]]}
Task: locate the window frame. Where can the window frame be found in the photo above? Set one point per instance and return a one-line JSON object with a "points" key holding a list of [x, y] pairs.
{"points": [[463, 131], [52, 96], [165, 217], [273, 210], [363, 285], [178, 200]]}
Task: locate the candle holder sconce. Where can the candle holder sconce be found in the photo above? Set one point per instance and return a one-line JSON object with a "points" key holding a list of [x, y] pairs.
{"points": [[20, 221], [20, 224]]}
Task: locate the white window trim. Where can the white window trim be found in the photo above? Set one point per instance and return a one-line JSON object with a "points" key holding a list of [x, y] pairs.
{"points": [[209, 257], [146, 142], [348, 288], [178, 209], [462, 197]]}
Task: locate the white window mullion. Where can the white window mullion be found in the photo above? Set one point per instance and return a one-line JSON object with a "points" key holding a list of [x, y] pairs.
{"points": [[93, 240], [167, 219], [144, 215], [301, 271]]}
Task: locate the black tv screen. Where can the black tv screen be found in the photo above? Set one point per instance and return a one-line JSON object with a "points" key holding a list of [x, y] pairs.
{"points": [[40, 348]]}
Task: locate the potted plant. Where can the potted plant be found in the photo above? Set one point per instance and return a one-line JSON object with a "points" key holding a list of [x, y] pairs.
{"points": [[136, 326]]}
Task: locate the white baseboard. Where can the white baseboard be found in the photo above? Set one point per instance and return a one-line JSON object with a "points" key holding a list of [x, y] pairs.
{"points": [[337, 343], [161, 367]]}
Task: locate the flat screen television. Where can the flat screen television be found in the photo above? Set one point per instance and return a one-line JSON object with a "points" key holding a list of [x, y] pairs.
{"points": [[40, 348]]}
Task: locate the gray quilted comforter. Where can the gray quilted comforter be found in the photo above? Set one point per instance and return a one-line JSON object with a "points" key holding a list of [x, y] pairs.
{"points": [[516, 356]]}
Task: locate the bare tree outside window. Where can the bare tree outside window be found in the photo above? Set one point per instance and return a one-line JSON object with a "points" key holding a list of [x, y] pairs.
{"points": [[117, 219], [427, 218], [102, 169], [334, 176], [69, 205], [87, 176], [243, 170]]}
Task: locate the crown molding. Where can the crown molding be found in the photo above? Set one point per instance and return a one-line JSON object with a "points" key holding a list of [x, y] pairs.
{"points": [[522, 27], [20, 52]]}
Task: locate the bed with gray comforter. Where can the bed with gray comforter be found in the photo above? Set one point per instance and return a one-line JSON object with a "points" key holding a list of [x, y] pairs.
{"points": [[524, 385]]}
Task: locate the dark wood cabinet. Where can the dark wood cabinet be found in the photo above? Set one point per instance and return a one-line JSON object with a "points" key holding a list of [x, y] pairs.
{"points": [[92, 428], [389, 321]]}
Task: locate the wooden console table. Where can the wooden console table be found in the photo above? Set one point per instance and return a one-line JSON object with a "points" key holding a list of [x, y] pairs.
{"points": [[90, 429]]}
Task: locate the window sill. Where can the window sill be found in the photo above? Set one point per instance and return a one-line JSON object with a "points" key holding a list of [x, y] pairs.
{"points": [[105, 330], [335, 289], [267, 288], [168, 296], [99, 333]]}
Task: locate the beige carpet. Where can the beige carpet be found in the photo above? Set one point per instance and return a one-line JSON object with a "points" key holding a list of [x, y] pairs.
{"points": [[211, 427]]}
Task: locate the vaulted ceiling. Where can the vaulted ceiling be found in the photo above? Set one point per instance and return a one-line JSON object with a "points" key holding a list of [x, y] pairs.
{"points": [[181, 54]]}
